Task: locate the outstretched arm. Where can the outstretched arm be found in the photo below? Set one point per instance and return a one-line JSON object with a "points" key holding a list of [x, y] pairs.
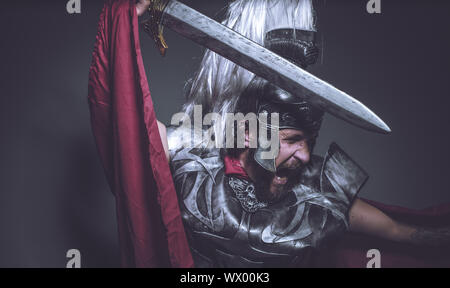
{"points": [[367, 219]]}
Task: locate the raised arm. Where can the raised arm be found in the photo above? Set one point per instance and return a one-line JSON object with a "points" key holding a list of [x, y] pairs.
{"points": [[367, 219], [142, 6], [163, 134]]}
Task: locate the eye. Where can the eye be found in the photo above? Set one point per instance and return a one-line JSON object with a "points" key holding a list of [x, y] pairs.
{"points": [[295, 139]]}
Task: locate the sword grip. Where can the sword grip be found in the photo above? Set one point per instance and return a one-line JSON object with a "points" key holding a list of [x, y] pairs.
{"points": [[153, 26]]}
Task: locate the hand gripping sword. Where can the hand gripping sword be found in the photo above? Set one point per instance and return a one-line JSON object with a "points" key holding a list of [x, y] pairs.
{"points": [[258, 60]]}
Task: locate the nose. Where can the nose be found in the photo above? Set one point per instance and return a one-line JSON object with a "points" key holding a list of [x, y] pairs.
{"points": [[302, 153]]}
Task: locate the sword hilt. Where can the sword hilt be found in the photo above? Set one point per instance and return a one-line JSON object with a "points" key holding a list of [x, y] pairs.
{"points": [[153, 26]]}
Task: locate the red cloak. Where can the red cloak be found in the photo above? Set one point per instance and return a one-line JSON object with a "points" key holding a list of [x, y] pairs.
{"points": [[126, 132]]}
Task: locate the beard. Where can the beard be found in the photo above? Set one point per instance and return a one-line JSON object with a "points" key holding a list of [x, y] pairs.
{"points": [[272, 187]]}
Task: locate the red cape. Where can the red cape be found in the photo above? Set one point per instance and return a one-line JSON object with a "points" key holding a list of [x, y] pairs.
{"points": [[124, 125]]}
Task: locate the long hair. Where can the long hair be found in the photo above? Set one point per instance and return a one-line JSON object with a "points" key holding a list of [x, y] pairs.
{"points": [[219, 82]]}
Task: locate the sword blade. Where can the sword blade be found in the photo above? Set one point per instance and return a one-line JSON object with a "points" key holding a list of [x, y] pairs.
{"points": [[266, 64]]}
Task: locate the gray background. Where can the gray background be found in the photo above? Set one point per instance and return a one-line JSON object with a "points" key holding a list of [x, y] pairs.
{"points": [[53, 193]]}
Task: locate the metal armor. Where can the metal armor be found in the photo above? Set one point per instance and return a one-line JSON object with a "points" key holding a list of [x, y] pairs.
{"points": [[228, 227]]}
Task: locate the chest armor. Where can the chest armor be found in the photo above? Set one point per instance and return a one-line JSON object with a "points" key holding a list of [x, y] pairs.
{"points": [[228, 227]]}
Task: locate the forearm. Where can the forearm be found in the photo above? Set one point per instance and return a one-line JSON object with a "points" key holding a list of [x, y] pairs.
{"points": [[431, 237], [365, 218], [421, 236], [141, 7]]}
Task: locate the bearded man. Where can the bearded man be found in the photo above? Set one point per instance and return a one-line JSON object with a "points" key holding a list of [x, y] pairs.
{"points": [[241, 209]]}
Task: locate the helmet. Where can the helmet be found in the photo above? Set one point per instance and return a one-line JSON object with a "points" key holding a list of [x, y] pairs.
{"points": [[263, 97]]}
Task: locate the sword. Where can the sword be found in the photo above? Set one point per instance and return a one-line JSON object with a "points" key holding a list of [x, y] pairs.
{"points": [[258, 60]]}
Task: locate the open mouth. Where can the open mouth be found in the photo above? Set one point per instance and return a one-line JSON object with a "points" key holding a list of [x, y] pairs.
{"points": [[281, 176]]}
